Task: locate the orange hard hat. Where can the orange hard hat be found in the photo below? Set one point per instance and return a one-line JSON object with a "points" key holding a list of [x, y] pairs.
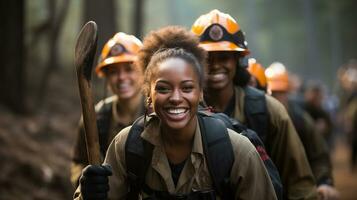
{"points": [[258, 71], [277, 77], [219, 32], [120, 48]]}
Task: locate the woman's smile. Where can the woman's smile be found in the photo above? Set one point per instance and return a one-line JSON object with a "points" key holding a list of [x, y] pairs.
{"points": [[175, 93], [176, 114]]}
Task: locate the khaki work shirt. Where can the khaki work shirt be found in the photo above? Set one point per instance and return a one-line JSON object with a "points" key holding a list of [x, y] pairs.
{"points": [[80, 159], [249, 178], [284, 148]]}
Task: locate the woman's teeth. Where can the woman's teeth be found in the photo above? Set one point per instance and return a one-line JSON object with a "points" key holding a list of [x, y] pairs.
{"points": [[123, 86], [176, 111], [218, 76]]}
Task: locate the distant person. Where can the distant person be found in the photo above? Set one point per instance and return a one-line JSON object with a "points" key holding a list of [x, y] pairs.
{"points": [[315, 146], [226, 91], [173, 146], [348, 80], [124, 79], [314, 94], [296, 89]]}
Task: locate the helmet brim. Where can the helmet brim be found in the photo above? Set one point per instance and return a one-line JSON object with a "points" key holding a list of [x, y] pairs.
{"points": [[123, 58], [278, 86], [223, 46]]}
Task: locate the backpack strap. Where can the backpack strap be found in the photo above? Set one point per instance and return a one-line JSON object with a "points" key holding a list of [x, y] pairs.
{"points": [[296, 114], [138, 154], [268, 163], [103, 123], [258, 144], [216, 142], [256, 112]]}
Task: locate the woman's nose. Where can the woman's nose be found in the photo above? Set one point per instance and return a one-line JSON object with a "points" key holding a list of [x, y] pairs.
{"points": [[176, 97], [121, 74]]}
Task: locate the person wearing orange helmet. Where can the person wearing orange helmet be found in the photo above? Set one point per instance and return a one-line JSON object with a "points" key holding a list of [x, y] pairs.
{"points": [[227, 91], [315, 146], [169, 153], [256, 70], [123, 78]]}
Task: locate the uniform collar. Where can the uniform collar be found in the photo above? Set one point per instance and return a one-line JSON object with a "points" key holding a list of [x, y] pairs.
{"points": [[152, 134], [239, 104], [115, 114]]}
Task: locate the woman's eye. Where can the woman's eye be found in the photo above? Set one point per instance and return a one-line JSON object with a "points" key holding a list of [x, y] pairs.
{"points": [[187, 88], [128, 68], [161, 89]]}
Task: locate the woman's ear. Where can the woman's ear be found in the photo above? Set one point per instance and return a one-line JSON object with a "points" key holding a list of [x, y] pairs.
{"points": [[201, 96], [148, 101]]}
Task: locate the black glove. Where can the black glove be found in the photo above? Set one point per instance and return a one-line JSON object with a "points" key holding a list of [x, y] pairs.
{"points": [[94, 182]]}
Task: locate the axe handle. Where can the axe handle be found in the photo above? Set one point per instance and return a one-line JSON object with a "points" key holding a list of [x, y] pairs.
{"points": [[89, 119]]}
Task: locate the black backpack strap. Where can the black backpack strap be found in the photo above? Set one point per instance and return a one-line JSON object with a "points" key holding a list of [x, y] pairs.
{"points": [[296, 114], [138, 154], [256, 112], [216, 142], [103, 123], [259, 146], [268, 163]]}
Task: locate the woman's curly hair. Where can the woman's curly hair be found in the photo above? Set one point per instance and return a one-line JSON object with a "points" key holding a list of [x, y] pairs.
{"points": [[170, 42], [170, 37]]}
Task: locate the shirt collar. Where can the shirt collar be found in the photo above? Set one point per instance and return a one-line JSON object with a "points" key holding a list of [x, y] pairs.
{"points": [[152, 134]]}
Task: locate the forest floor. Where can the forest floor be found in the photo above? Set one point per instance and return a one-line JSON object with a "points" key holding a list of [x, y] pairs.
{"points": [[35, 149], [345, 178]]}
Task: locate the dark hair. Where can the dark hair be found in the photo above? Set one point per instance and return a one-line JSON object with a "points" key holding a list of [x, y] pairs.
{"points": [[242, 76], [170, 42]]}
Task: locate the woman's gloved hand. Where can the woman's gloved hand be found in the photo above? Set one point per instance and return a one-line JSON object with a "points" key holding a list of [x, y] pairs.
{"points": [[94, 182]]}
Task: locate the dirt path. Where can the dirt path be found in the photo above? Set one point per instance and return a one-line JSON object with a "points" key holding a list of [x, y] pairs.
{"points": [[345, 179]]}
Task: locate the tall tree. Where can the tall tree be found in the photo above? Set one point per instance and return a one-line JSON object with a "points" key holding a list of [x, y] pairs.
{"points": [[335, 38], [138, 15], [253, 15], [313, 50], [52, 26], [103, 13], [12, 70]]}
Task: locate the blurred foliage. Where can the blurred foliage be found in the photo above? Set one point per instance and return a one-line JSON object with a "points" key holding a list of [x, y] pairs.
{"points": [[312, 38]]}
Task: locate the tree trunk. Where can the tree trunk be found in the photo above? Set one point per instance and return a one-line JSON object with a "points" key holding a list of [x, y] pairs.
{"points": [[12, 70], [103, 13], [138, 14], [56, 21], [335, 40], [254, 27], [312, 47]]}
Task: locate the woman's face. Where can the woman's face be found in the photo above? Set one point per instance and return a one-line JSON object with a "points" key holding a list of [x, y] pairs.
{"points": [[175, 93], [124, 80], [221, 69]]}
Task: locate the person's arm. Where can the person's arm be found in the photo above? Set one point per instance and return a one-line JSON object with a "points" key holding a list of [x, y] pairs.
{"points": [[249, 178], [116, 159], [288, 154]]}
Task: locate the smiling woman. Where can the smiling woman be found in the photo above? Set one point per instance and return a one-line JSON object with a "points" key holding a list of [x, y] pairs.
{"points": [[175, 139], [174, 89], [175, 94]]}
